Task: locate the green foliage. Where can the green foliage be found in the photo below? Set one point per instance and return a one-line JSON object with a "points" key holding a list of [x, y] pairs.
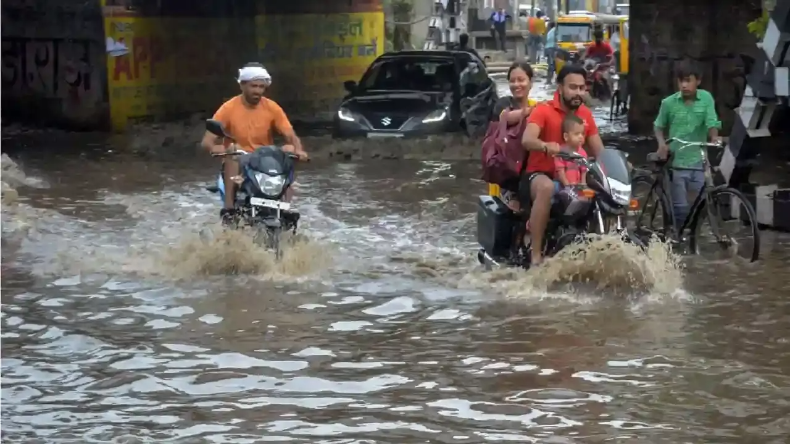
{"points": [[758, 26]]}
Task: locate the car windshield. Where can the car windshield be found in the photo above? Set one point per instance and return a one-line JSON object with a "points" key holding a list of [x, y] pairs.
{"points": [[614, 165], [573, 32], [421, 74]]}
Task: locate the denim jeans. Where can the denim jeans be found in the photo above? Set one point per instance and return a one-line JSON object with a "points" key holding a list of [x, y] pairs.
{"points": [[533, 48], [550, 61], [684, 182]]}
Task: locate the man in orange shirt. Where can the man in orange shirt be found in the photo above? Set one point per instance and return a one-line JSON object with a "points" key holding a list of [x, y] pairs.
{"points": [[543, 137], [537, 30], [251, 120]]}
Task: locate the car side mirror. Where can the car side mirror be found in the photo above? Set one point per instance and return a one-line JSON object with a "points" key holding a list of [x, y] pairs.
{"points": [[350, 86]]}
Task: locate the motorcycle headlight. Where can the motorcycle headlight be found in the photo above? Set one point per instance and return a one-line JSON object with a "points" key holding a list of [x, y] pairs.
{"points": [[435, 116], [270, 185], [345, 114], [621, 193]]}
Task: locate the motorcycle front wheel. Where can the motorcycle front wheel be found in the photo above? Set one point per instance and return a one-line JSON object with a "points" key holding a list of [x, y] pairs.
{"points": [[269, 238]]}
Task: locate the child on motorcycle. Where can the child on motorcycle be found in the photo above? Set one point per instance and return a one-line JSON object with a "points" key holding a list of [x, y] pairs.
{"points": [[568, 173]]}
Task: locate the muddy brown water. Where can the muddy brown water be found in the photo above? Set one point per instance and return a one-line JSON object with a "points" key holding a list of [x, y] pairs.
{"points": [[119, 324]]}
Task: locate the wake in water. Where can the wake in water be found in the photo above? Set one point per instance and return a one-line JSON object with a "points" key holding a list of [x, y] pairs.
{"points": [[605, 265], [233, 252]]}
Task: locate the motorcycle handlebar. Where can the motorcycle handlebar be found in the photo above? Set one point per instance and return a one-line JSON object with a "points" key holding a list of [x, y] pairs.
{"points": [[230, 153], [241, 153], [573, 157]]}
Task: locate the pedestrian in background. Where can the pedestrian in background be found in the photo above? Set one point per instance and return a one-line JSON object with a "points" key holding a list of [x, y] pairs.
{"points": [[537, 30], [498, 19], [551, 44]]}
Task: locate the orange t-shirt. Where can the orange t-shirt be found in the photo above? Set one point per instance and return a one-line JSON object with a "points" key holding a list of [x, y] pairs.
{"points": [[252, 127]]}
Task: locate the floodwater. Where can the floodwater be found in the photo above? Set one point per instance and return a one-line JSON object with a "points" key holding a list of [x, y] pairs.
{"points": [[120, 324]]}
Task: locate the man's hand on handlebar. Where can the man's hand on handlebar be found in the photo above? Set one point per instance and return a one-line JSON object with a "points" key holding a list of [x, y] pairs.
{"points": [[552, 148]]}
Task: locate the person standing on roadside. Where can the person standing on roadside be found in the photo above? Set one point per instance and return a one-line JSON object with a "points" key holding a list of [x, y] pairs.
{"points": [[463, 45], [551, 43], [690, 115], [537, 29], [498, 20]]}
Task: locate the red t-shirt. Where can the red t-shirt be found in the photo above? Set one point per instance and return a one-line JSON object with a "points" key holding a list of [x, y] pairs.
{"points": [[549, 116], [601, 51], [573, 171]]}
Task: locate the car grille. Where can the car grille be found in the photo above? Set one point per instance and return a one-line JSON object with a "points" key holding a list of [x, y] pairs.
{"points": [[379, 121]]}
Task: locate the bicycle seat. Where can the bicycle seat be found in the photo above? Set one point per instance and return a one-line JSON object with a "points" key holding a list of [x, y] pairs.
{"points": [[653, 158]]}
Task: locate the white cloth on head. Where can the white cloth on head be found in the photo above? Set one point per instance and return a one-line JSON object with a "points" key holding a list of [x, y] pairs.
{"points": [[251, 73]]}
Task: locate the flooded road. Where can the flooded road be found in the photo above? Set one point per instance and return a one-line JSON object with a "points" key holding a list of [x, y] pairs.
{"points": [[119, 324]]}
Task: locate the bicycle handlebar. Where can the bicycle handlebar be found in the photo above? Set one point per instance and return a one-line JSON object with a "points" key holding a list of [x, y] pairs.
{"points": [[687, 144]]}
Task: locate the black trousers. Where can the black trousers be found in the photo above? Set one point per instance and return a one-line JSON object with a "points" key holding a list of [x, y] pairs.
{"points": [[498, 34]]}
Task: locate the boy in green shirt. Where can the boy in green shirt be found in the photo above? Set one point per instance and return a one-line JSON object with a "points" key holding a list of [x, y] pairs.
{"points": [[690, 115]]}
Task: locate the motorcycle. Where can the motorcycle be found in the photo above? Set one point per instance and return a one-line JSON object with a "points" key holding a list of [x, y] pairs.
{"points": [[598, 83], [266, 175], [599, 209]]}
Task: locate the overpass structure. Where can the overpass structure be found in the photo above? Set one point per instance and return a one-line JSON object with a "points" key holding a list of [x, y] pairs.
{"points": [[106, 64]]}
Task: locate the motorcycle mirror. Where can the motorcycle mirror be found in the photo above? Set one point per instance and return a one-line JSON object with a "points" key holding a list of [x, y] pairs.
{"points": [[215, 127]]}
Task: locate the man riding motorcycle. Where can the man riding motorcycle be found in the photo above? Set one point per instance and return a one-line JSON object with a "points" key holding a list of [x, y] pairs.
{"points": [[250, 119], [542, 138], [601, 53]]}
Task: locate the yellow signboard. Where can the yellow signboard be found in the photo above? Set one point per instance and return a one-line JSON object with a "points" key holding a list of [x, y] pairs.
{"points": [[163, 67], [311, 55]]}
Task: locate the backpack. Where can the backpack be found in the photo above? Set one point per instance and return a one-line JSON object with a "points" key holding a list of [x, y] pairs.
{"points": [[503, 157]]}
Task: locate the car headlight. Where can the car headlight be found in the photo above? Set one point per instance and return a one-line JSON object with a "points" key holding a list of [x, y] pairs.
{"points": [[270, 185], [435, 116], [345, 114]]}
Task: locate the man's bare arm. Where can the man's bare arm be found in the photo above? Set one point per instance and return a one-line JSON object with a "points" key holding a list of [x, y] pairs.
{"points": [[292, 139], [713, 134], [212, 143], [531, 138], [660, 138]]}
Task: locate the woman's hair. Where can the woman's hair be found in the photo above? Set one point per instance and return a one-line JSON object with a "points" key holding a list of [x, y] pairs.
{"points": [[524, 66]]}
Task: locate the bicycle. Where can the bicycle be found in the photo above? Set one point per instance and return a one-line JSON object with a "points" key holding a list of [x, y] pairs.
{"points": [[722, 197]]}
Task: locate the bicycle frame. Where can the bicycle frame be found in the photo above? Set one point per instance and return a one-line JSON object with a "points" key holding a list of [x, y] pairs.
{"points": [[708, 188]]}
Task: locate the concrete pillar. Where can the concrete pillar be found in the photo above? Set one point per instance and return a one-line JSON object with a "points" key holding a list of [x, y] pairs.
{"points": [[53, 63], [664, 34]]}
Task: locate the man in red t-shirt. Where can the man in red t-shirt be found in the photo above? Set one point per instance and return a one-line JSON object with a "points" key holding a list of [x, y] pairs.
{"points": [[599, 50], [543, 137]]}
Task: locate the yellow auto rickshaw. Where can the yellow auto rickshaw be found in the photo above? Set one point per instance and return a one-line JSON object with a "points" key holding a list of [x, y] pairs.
{"points": [[575, 31]]}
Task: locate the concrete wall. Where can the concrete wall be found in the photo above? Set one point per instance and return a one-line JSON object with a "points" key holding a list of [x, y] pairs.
{"points": [[311, 48], [172, 61], [712, 33], [53, 69], [97, 64]]}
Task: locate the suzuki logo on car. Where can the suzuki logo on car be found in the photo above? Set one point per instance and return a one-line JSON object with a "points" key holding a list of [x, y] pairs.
{"points": [[386, 121]]}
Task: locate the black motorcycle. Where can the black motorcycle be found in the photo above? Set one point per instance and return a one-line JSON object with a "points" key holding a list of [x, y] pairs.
{"points": [[599, 208], [266, 174]]}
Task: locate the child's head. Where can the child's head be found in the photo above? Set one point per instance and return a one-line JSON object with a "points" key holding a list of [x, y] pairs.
{"points": [[689, 77], [573, 131]]}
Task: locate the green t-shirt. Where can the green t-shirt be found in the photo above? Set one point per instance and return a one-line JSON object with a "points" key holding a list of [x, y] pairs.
{"points": [[689, 122]]}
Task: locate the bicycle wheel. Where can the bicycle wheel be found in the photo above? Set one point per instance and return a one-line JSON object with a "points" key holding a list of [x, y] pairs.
{"points": [[652, 218], [735, 231]]}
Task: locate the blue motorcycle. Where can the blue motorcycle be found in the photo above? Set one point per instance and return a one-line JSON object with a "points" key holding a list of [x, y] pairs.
{"points": [[266, 175]]}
